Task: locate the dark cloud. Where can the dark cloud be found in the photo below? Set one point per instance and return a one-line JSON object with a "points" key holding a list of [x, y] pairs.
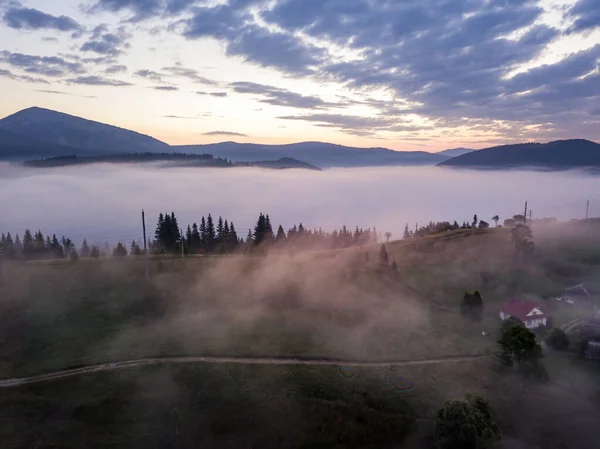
{"points": [[144, 9], [586, 14], [180, 117], [343, 121], [52, 66], [95, 80], [279, 97], [33, 19], [106, 43], [150, 74], [56, 92], [213, 94], [166, 88], [117, 68], [224, 133]]}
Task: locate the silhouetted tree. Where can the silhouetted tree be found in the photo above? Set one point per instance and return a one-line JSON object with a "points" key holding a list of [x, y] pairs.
{"points": [[522, 238], [483, 224], [496, 218], [406, 234], [472, 306], [85, 249], [120, 250], [94, 252], [384, 260], [388, 236], [280, 234], [518, 345], [474, 220]]}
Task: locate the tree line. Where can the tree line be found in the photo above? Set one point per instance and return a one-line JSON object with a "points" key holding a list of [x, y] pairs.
{"points": [[211, 236]]}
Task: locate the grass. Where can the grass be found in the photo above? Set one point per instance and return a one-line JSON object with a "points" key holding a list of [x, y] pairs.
{"points": [[330, 304]]}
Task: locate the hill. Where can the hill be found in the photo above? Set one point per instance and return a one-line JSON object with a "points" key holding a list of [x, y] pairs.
{"points": [[85, 137], [284, 162], [557, 155], [454, 152], [316, 153]]}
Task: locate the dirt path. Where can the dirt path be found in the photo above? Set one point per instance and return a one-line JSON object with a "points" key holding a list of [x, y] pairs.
{"points": [[7, 383]]}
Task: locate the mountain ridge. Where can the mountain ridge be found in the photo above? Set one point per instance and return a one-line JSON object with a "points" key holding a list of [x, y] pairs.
{"points": [[557, 154]]}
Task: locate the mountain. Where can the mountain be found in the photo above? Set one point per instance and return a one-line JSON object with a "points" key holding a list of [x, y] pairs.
{"points": [[85, 137], [16, 147], [454, 152], [316, 153], [557, 155]]}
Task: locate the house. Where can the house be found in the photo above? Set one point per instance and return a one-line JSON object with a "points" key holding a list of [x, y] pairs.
{"points": [[528, 312], [577, 293]]}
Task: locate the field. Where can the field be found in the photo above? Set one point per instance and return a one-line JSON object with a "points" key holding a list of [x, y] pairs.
{"points": [[328, 306]]}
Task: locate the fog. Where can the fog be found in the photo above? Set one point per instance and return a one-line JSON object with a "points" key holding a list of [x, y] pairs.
{"points": [[103, 202]]}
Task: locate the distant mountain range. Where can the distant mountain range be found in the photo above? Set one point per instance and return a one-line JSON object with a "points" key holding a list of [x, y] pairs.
{"points": [[38, 133], [557, 155], [316, 153], [42, 133], [453, 152]]}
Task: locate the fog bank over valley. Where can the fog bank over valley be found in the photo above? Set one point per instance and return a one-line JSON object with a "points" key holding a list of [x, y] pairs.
{"points": [[103, 202]]}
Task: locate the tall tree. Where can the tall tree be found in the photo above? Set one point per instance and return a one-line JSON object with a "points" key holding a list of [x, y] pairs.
{"points": [[94, 252], [475, 220], [472, 306], [196, 239], [280, 235], [28, 245], [522, 238], [85, 249], [406, 234], [518, 345], [210, 234], [388, 236], [496, 218], [120, 250], [220, 231]]}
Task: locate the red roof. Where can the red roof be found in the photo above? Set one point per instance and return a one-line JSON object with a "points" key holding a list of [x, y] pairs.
{"points": [[520, 309]]}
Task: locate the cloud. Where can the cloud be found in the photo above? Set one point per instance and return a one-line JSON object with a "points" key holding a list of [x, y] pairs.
{"points": [[180, 117], [213, 94], [143, 9], [224, 133], [106, 43], [117, 68], [52, 66], [8, 74], [95, 80], [166, 88], [149, 74], [343, 121], [279, 97], [586, 14], [32, 19], [191, 74], [57, 92]]}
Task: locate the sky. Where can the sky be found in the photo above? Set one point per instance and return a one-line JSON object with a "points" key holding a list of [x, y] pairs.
{"points": [[406, 75]]}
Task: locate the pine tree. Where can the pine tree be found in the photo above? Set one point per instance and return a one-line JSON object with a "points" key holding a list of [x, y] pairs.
{"points": [[196, 240], [57, 249], [18, 247], [280, 234], [85, 249], [203, 234], [28, 246], [188, 239], [406, 234], [94, 252], [233, 237], [220, 231], [158, 234], [260, 230], [120, 250], [210, 234]]}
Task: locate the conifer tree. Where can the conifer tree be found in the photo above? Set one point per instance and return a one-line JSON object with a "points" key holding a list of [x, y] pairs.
{"points": [[94, 252], [120, 250], [196, 240], [85, 249], [28, 246], [220, 233], [280, 234], [203, 234], [18, 247], [233, 237], [210, 234], [406, 234]]}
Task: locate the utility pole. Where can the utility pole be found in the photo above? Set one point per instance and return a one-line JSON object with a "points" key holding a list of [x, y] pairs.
{"points": [[530, 212], [181, 240], [525, 214], [587, 209], [145, 245]]}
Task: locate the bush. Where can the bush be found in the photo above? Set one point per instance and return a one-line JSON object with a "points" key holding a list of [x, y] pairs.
{"points": [[466, 424], [557, 339]]}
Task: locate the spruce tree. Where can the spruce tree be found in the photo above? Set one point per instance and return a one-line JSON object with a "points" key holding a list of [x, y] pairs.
{"points": [[28, 246], [233, 237], [210, 234], [280, 234], [94, 252], [196, 240], [18, 247], [85, 249], [406, 234], [120, 250], [220, 231], [188, 239], [203, 234], [260, 229]]}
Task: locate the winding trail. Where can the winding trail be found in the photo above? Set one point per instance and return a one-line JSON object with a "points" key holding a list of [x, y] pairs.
{"points": [[15, 382]]}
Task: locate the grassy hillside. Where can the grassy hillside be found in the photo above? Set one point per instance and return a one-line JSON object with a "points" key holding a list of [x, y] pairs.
{"points": [[333, 304]]}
